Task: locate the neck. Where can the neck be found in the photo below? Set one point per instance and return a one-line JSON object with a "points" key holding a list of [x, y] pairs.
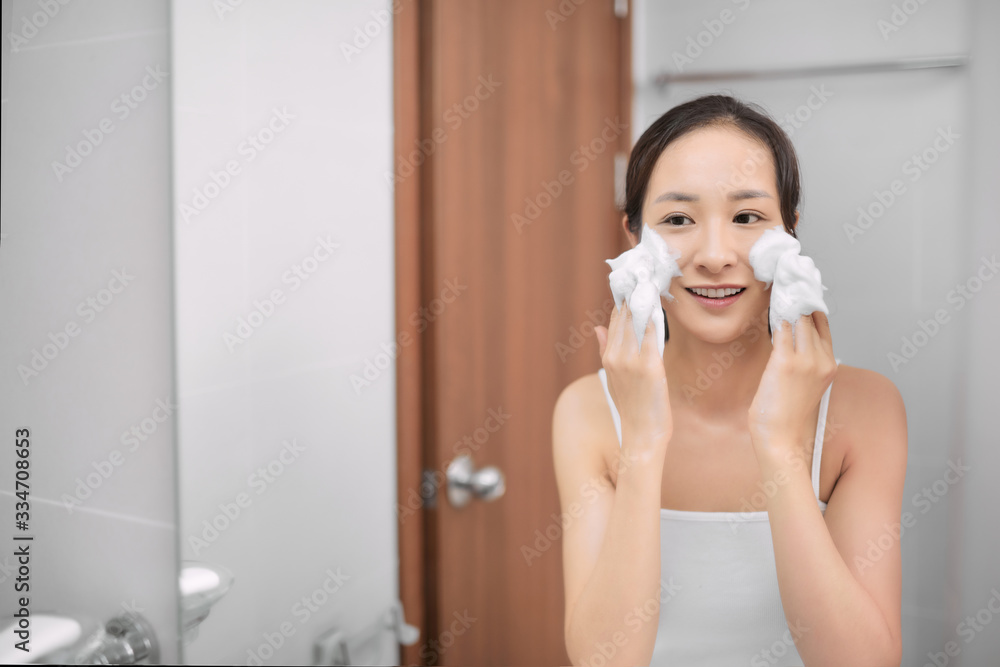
{"points": [[716, 380]]}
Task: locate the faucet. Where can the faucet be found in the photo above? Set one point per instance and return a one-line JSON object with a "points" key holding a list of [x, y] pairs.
{"points": [[125, 639]]}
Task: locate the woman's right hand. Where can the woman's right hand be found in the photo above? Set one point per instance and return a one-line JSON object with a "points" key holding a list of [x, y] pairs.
{"points": [[638, 384]]}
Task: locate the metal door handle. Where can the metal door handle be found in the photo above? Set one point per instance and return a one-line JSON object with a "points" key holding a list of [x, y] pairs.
{"points": [[464, 482]]}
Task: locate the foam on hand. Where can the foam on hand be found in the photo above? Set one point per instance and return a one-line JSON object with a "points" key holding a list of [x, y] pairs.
{"points": [[797, 288], [640, 276]]}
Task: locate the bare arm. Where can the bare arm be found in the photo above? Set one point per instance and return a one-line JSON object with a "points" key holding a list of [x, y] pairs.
{"points": [[842, 605], [839, 575], [611, 553], [611, 549]]}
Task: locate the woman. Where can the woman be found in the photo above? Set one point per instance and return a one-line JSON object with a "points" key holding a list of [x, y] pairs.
{"points": [[732, 502]]}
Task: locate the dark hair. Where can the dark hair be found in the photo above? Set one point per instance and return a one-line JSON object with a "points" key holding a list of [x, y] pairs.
{"points": [[708, 111]]}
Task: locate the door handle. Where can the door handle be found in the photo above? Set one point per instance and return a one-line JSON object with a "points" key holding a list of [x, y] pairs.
{"points": [[465, 482]]}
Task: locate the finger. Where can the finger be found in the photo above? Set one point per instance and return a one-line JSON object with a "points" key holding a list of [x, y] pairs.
{"points": [[805, 335], [783, 337], [649, 335], [602, 339], [823, 328], [614, 324], [626, 339]]}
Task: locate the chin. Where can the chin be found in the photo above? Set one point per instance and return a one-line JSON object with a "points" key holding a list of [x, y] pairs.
{"points": [[719, 330], [719, 335]]}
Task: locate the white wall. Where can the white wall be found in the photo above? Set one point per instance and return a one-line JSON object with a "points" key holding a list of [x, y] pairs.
{"points": [[102, 506], [858, 139], [974, 516], [330, 508]]}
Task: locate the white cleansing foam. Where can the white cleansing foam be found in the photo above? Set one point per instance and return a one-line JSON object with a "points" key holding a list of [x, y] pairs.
{"points": [[640, 276], [797, 288]]}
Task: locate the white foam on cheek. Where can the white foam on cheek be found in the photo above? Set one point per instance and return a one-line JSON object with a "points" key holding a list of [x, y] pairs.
{"points": [[764, 254], [797, 287], [641, 275]]}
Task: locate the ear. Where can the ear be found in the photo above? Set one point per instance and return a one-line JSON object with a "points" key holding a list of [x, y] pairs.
{"points": [[631, 239]]}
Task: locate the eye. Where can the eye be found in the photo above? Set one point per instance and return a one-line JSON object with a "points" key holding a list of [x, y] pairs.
{"points": [[741, 218], [676, 220]]}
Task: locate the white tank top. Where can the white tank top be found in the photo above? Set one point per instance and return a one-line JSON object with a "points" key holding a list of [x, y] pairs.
{"points": [[719, 599]]}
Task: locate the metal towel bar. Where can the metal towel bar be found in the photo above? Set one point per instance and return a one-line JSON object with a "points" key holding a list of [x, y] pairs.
{"points": [[900, 65]]}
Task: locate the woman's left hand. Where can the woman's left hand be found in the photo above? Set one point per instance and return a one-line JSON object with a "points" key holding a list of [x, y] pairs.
{"points": [[794, 380]]}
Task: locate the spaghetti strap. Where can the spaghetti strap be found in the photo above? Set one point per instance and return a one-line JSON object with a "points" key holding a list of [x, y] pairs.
{"points": [[817, 445], [817, 458], [611, 403]]}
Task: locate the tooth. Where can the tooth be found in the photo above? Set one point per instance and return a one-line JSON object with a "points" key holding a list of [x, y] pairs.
{"points": [[713, 293]]}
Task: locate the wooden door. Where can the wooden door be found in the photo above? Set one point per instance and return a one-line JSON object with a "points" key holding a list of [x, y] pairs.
{"points": [[508, 118]]}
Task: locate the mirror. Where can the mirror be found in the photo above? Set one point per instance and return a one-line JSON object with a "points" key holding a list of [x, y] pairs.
{"points": [[199, 344], [283, 260]]}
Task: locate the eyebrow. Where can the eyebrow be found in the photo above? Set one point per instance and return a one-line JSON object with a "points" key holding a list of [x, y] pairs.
{"points": [[735, 195]]}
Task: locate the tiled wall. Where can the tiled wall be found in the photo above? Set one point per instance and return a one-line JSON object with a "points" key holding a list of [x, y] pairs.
{"points": [[854, 138], [284, 271], [86, 333]]}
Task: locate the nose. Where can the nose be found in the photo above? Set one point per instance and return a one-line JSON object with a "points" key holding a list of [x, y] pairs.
{"points": [[715, 249]]}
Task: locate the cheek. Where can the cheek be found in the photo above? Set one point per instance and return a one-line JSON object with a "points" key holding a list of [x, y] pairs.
{"points": [[761, 301]]}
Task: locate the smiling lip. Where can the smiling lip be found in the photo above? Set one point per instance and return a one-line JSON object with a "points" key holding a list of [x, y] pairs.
{"points": [[715, 286], [709, 302]]}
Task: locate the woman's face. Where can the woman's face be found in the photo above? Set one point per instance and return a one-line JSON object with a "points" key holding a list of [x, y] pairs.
{"points": [[711, 195]]}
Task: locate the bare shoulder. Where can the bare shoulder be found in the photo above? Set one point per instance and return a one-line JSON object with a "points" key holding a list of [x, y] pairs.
{"points": [[584, 392], [581, 421], [870, 410]]}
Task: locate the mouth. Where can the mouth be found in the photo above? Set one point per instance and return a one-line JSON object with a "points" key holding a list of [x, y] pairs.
{"points": [[716, 298]]}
